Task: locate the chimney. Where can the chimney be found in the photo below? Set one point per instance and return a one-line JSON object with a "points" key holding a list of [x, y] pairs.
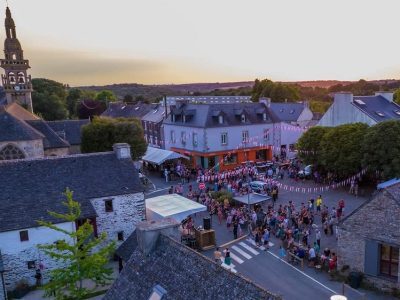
{"points": [[148, 232], [122, 150], [165, 107], [266, 101], [306, 104], [343, 96], [387, 95]]}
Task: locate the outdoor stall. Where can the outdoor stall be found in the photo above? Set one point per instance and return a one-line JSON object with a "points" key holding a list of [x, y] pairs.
{"points": [[171, 206], [158, 156], [252, 198]]}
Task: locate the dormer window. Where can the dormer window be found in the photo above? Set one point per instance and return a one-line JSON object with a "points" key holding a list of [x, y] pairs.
{"points": [[221, 119], [264, 117], [243, 118]]}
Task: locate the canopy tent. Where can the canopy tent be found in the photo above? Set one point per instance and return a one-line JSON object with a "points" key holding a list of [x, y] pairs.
{"points": [[158, 156], [252, 198], [171, 206]]}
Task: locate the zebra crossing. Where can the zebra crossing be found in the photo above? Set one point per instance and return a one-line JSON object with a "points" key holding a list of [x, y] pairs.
{"points": [[242, 251]]}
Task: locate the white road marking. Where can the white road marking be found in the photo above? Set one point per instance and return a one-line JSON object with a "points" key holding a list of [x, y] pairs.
{"points": [[308, 276], [236, 248], [225, 266], [236, 258], [247, 247], [251, 241], [223, 261]]}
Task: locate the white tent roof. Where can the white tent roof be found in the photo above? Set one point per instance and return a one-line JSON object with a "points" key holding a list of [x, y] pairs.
{"points": [[158, 156], [171, 206], [253, 198]]}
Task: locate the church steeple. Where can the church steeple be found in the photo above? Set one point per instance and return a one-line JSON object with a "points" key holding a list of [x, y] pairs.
{"points": [[16, 82]]}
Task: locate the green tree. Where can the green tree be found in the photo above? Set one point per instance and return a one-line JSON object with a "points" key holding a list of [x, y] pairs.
{"points": [[309, 145], [342, 149], [73, 98], [396, 96], [381, 148], [84, 256], [103, 133], [128, 98], [106, 96], [49, 99]]}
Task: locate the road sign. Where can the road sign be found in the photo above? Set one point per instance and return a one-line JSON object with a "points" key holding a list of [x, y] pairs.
{"points": [[202, 185]]}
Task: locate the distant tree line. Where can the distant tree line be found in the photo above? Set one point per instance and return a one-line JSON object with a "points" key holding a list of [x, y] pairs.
{"points": [[344, 150]]}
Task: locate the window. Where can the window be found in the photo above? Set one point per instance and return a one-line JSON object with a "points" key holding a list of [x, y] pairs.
{"points": [[31, 264], [266, 134], [245, 136], [230, 159], [221, 119], [264, 117], [389, 261], [155, 141], [261, 155], [11, 152], [150, 139], [183, 138], [195, 141], [145, 125], [23, 235], [120, 236], [292, 147], [173, 117], [243, 118], [108, 205], [224, 138], [172, 136]]}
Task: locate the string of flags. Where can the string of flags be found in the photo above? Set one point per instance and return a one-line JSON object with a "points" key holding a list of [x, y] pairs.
{"points": [[319, 189]]}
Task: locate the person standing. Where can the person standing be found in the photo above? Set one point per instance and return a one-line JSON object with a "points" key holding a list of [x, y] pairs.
{"points": [[166, 174], [318, 237], [227, 260], [266, 239], [217, 255], [235, 228], [318, 203]]}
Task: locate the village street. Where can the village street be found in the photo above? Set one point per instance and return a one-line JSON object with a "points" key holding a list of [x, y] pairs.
{"points": [[266, 268]]}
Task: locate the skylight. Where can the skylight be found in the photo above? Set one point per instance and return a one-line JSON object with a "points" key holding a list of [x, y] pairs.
{"points": [[379, 113], [358, 101], [292, 111], [137, 108], [397, 112]]}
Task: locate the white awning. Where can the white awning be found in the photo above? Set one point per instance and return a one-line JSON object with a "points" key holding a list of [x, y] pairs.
{"points": [[252, 198], [158, 156], [171, 206]]}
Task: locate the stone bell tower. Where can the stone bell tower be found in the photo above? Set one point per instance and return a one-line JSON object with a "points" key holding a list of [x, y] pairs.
{"points": [[16, 82]]}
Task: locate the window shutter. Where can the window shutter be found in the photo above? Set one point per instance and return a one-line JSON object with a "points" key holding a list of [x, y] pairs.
{"points": [[371, 258]]}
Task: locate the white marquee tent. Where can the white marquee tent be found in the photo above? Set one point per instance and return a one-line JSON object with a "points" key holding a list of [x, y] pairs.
{"points": [[158, 156], [171, 206]]}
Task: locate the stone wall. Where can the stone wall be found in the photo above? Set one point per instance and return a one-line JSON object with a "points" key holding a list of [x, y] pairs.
{"points": [[377, 220], [56, 152], [31, 149], [2, 296], [128, 210]]}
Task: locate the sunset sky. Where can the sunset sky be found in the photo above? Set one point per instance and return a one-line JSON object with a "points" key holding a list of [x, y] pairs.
{"points": [[180, 41]]}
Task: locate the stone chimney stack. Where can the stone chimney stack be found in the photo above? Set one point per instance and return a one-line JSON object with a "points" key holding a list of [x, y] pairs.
{"points": [[266, 101], [148, 232], [122, 150], [387, 95]]}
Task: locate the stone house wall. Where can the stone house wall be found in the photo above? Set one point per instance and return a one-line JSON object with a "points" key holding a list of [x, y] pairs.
{"points": [[377, 220], [31, 149], [128, 210], [16, 254], [2, 296], [56, 152]]}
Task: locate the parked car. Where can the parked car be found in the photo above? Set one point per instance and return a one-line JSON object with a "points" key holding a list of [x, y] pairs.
{"points": [[306, 172], [258, 186]]}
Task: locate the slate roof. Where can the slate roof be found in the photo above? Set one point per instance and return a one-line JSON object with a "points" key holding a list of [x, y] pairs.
{"points": [[183, 273], [70, 129], [3, 97], [126, 249], [19, 112], [206, 115], [13, 129], [51, 139], [173, 100], [124, 110], [31, 187], [156, 115], [377, 107], [287, 111]]}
